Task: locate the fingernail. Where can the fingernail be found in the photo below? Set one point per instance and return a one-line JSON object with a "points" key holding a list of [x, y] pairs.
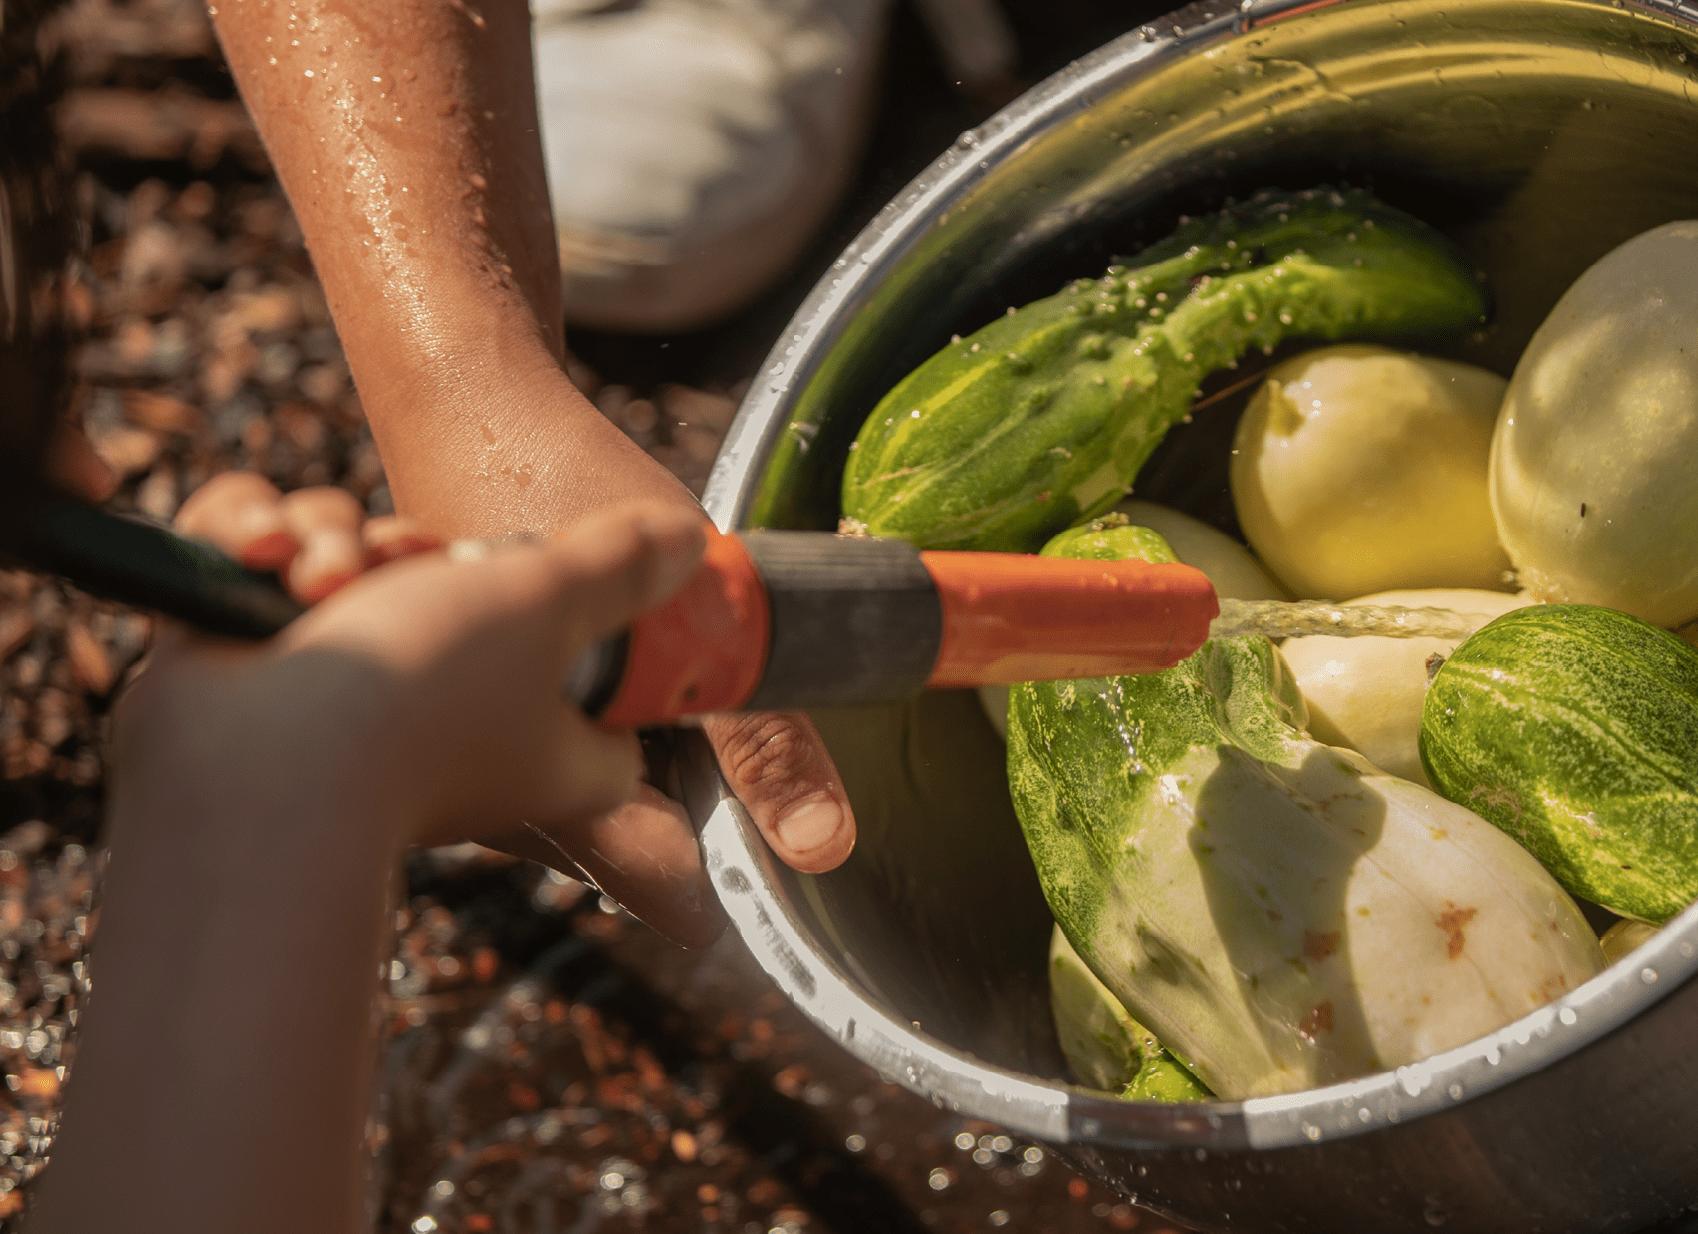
{"points": [[810, 826]]}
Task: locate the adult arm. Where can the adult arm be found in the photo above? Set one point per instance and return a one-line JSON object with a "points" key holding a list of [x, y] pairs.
{"points": [[405, 134]]}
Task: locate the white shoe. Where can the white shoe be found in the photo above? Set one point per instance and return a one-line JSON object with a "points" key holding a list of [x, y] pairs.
{"points": [[695, 146]]}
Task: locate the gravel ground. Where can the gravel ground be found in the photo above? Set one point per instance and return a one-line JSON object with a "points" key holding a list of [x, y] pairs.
{"points": [[551, 1064]]}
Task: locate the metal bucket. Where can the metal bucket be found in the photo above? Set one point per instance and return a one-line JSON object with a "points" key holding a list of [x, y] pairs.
{"points": [[1539, 134]]}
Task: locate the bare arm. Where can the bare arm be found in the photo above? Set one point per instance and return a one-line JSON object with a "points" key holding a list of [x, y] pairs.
{"points": [[405, 134], [226, 1058]]}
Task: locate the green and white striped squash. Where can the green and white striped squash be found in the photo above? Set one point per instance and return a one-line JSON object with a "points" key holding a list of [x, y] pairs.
{"points": [[1575, 729]]}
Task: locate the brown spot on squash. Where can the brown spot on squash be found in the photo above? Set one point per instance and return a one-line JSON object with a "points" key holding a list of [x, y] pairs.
{"points": [[1451, 922], [1318, 945]]}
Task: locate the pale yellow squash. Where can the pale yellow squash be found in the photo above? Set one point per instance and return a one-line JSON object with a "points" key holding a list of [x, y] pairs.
{"points": [[1365, 693], [1360, 469], [1594, 470]]}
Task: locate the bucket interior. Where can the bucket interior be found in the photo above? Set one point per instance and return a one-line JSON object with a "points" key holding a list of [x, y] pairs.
{"points": [[1538, 136]]}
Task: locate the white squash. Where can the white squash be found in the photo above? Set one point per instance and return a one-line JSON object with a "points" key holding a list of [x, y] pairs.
{"points": [[1099, 1038], [1594, 469], [1360, 469], [1279, 913], [1365, 693]]}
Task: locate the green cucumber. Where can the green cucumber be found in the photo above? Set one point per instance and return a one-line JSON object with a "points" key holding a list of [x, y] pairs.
{"points": [[1278, 912], [1044, 417], [1575, 729]]}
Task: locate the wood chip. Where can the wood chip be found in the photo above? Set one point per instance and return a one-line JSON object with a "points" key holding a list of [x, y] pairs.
{"points": [[687, 405], [38, 1083], [158, 496], [127, 450]]}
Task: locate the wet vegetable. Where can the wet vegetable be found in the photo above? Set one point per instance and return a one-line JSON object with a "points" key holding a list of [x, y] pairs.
{"points": [[1367, 692], [1359, 469], [1106, 1047], [1625, 937], [1043, 417], [1279, 912], [1575, 729], [1594, 473], [1232, 568]]}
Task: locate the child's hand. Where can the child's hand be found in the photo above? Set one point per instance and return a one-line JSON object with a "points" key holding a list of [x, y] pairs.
{"points": [[428, 690], [645, 855]]}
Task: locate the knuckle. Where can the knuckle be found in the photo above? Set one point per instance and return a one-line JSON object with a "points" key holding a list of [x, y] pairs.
{"points": [[763, 754]]}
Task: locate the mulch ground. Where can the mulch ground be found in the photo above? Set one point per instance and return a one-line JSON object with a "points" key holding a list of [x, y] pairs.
{"points": [[551, 1064]]}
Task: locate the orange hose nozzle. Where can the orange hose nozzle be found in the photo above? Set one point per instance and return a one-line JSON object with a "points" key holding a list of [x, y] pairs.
{"points": [[1010, 617]]}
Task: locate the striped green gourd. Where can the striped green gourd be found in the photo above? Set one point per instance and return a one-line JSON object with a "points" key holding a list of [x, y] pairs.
{"points": [[1278, 912], [1044, 416], [1575, 729]]}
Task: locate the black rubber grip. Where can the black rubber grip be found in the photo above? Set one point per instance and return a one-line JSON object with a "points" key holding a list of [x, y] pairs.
{"points": [[853, 621]]}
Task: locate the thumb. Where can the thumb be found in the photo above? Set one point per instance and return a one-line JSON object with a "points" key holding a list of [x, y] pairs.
{"points": [[618, 564]]}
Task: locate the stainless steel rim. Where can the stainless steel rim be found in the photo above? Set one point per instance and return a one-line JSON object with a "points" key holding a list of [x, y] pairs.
{"points": [[741, 866]]}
